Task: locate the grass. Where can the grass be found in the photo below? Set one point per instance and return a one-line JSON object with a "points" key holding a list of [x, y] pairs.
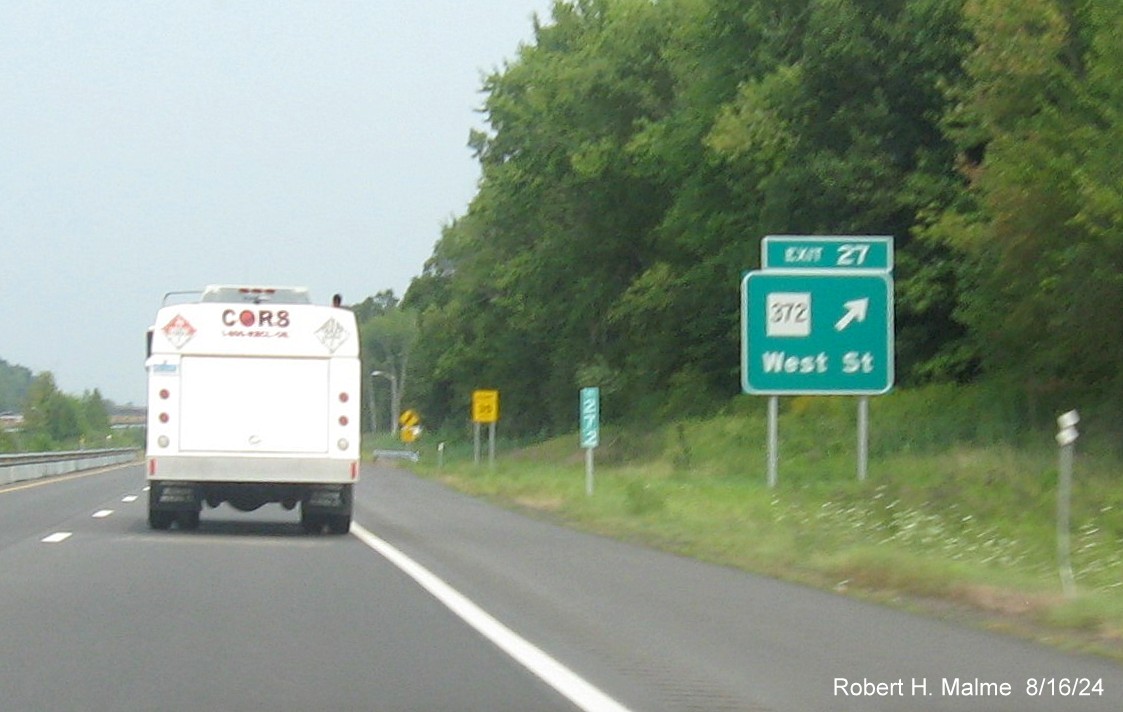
{"points": [[957, 515]]}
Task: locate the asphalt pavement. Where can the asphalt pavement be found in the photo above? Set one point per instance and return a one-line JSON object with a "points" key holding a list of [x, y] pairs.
{"points": [[97, 612]]}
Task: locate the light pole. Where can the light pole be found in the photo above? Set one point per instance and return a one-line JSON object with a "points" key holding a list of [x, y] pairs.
{"points": [[373, 410], [393, 398]]}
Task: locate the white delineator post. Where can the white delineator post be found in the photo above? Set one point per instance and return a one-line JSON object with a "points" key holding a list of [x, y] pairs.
{"points": [[1066, 438]]}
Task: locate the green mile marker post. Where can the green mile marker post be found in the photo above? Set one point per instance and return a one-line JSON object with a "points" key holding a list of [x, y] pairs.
{"points": [[590, 431]]}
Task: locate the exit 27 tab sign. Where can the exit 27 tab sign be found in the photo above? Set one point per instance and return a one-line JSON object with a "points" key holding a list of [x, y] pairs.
{"points": [[814, 332]]}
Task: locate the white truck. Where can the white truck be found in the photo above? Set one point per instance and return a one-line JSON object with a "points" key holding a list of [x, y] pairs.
{"points": [[253, 397]]}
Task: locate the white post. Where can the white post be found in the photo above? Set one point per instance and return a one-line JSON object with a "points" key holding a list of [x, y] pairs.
{"points": [[588, 472], [1066, 438], [773, 440], [863, 437], [491, 444], [393, 398], [394, 415], [373, 411], [476, 428]]}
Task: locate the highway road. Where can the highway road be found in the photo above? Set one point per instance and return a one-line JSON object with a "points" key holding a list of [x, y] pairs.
{"points": [[440, 602]]}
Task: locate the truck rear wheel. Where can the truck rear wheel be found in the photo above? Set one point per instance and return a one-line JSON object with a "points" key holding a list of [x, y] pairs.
{"points": [[339, 523], [188, 520], [312, 523], [160, 519]]}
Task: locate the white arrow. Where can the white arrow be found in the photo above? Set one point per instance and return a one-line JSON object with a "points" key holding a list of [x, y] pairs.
{"points": [[855, 311]]}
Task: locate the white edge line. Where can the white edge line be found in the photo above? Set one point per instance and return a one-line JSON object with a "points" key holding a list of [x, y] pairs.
{"points": [[568, 683]]}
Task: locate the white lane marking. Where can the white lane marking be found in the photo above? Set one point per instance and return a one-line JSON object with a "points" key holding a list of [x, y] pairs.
{"points": [[102, 513], [573, 687], [129, 498], [56, 537]]}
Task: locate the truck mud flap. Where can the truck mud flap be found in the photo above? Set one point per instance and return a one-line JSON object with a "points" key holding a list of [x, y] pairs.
{"points": [[328, 499], [174, 496]]}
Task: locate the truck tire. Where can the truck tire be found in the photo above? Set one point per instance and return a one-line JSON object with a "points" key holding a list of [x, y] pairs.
{"points": [[160, 519], [339, 523], [188, 520], [311, 523]]}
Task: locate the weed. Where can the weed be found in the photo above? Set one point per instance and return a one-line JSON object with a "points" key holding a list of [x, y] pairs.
{"points": [[960, 502]]}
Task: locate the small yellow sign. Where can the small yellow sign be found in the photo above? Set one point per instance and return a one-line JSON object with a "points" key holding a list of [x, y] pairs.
{"points": [[410, 433], [409, 419], [485, 406]]}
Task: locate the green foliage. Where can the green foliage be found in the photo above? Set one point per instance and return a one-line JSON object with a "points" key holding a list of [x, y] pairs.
{"points": [[638, 151], [388, 331], [7, 442], [53, 420], [1038, 233], [966, 514], [14, 383]]}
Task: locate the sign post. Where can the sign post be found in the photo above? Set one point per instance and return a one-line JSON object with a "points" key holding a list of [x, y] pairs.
{"points": [[1066, 438], [485, 409], [817, 319], [590, 431]]}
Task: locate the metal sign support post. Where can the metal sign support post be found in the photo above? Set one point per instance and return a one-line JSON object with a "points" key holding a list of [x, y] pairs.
{"points": [[588, 472], [863, 437], [476, 428], [491, 444], [1066, 438], [773, 440]]}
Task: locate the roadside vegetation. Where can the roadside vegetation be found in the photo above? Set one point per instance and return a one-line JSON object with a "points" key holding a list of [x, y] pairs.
{"points": [[957, 515], [51, 419], [635, 154]]}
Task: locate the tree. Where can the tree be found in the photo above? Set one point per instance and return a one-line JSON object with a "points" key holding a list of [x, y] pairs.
{"points": [[1037, 120], [14, 382], [387, 344], [94, 412], [637, 152], [50, 417]]}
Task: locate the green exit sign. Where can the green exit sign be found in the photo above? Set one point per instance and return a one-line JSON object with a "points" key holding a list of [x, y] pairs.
{"points": [[856, 252], [816, 332]]}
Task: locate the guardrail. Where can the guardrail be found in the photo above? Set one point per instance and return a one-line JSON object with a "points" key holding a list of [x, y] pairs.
{"points": [[396, 455], [34, 465]]}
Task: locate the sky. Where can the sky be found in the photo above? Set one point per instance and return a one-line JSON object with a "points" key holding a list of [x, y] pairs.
{"points": [[149, 147]]}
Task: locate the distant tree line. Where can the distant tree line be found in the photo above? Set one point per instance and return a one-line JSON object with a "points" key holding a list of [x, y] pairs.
{"points": [[14, 383], [637, 151], [52, 420]]}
